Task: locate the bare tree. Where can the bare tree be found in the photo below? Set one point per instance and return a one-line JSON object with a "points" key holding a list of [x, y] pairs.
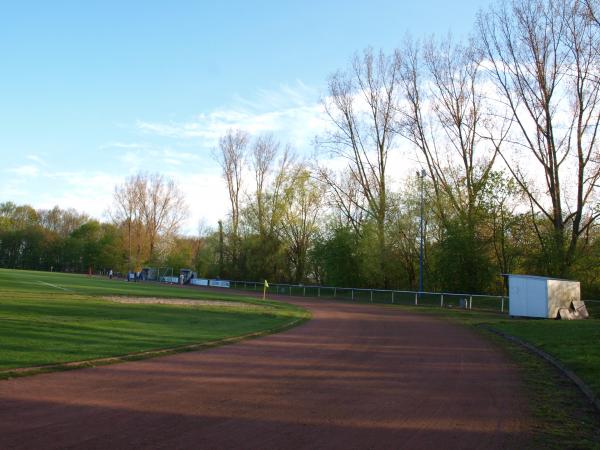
{"points": [[231, 156], [543, 61], [445, 119], [591, 10], [151, 207], [270, 165], [362, 104], [264, 150], [163, 208], [61, 221], [275, 197], [127, 210], [345, 198], [304, 200]]}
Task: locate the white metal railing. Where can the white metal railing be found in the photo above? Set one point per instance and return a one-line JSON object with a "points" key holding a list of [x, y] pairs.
{"points": [[424, 298]]}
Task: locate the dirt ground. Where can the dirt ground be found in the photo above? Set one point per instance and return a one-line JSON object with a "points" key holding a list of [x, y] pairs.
{"points": [[177, 301], [355, 376]]}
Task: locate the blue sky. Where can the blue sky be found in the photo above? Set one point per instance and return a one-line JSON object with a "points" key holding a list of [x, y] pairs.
{"points": [[91, 92]]}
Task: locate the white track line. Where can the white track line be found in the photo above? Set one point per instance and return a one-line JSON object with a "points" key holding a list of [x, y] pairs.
{"points": [[55, 286]]}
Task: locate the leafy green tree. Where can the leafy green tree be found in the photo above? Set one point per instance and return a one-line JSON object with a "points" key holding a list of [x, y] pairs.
{"points": [[94, 246], [206, 259], [181, 254], [303, 197], [462, 260], [335, 257], [363, 105]]}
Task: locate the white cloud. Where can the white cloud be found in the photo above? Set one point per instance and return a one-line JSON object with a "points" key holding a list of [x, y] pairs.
{"points": [[92, 192], [172, 161], [181, 156], [37, 159], [25, 171], [89, 192], [155, 159], [131, 160], [292, 113], [206, 197], [126, 145]]}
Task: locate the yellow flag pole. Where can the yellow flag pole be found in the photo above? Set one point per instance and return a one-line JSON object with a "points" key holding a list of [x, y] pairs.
{"points": [[265, 287]]}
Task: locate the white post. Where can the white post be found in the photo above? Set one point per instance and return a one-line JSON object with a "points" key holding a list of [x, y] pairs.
{"points": [[303, 291], [371, 295], [471, 302], [502, 307], [319, 291], [441, 300], [416, 298]]}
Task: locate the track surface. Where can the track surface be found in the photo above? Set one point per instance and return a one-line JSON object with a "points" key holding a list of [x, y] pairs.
{"points": [[355, 376]]}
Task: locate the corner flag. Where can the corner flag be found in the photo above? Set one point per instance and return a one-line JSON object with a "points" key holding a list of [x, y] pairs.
{"points": [[265, 287]]}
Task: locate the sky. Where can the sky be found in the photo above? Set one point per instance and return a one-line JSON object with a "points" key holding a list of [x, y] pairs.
{"points": [[93, 92]]}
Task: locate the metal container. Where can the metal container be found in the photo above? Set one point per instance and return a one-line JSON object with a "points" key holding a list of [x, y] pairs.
{"points": [[533, 296]]}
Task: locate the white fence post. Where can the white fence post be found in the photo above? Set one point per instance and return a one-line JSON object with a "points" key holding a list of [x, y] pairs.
{"points": [[466, 300]]}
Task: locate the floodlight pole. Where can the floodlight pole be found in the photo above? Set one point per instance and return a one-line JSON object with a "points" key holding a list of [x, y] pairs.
{"points": [[422, 176], [129, 242]]}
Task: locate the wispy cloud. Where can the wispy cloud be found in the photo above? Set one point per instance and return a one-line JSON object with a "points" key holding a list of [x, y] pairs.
{"points": [[93, 192], [88, 191], [173, 161], [37, 159], [293, 113], [155, 159], [126, 145], [25, 171]]}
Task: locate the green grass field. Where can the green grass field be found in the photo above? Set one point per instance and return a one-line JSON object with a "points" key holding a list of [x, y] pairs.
{"points": [[50, 318], [575, 343]]}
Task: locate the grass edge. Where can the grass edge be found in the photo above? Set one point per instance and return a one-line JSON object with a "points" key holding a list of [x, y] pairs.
{"points": [[149, 354]]}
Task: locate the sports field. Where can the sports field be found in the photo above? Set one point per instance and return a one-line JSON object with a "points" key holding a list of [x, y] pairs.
{"points": [[355, 376], [50, 318]]}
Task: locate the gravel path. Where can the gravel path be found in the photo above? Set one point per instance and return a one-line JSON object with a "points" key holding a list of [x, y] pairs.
{"points": [[355, 376]]}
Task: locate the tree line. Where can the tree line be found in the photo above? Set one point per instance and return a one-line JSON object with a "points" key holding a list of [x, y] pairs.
{"points": [[503, 127], [145, 217]]}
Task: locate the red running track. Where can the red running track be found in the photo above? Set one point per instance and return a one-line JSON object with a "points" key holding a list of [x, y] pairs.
{"points": [[355, 376]]}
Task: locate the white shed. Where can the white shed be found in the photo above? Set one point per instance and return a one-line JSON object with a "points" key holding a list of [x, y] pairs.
{"points": [[531, 296]]}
